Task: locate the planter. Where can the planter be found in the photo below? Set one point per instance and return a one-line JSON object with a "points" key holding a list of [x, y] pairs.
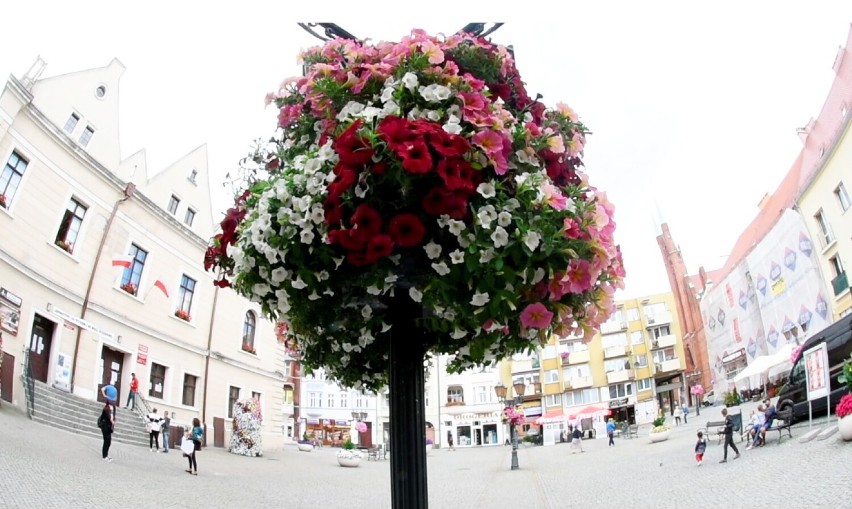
{"points": [[428, 448], [305, 447], [845, 427], [659, 436], [349, 459]]}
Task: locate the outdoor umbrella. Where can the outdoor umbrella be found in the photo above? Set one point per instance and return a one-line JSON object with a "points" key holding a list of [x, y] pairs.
{"points": [[756, 367], [590, 411]]}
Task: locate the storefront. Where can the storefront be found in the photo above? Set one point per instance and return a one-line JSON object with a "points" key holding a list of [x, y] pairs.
{"points": [[475, 428], [329, 431], [623, 410]]}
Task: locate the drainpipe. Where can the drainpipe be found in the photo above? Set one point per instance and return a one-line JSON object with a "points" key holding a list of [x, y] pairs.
{"points": [[207, 358], [129, 190]]}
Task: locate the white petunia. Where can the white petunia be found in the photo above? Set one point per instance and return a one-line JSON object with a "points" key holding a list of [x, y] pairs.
{"points": [[500, 237], [387, 94], [298, 284], [307, 236], [410, 81], [322, 275], [486, 256], [532, 239], [261, 289], [373, 290], [415, 294], [456, 227], [366, 311], [441, 92], [452, 128], [458, 333], [504, 219], [433, 250], [314, 296], [486, 189], [538, 276], [457, 256], [480, 299], [441, 268], [278, 275]]}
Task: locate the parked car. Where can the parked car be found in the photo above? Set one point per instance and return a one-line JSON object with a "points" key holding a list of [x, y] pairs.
{"points": [[709, 398]]}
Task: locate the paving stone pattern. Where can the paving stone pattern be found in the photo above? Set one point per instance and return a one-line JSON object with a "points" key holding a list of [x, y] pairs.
{"points": [[45, 467]]}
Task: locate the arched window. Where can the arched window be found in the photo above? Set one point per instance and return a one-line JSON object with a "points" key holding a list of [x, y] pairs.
{"points": [[248, 332]]}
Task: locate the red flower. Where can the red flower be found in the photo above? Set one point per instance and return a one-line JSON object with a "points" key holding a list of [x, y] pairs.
{"points": [[333, 211], [406, 230], [416, 157], [449, 145], [379, 168], [393, 131], [458, 174], [366, 221], [352, 148], [441, 200], [379, 247]]}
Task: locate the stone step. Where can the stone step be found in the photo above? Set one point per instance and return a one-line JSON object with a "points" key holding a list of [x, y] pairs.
{"points": [[90, 431], [83, 418], [60, 404], [43, 391]]}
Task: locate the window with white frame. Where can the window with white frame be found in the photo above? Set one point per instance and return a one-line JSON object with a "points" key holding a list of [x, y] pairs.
{"points": [[658, 332], [582, 397], [132, 275], [579, 371], [157, 380], [426, 397], [842, 197], [824, 227], [71, 123], [344, 400], [611, 340], [577, 346], [331, 401], [481, 394], [620, 390], [69, 228], [619, 364], [640, 361], [643, 385], [652, 310], [553, 400], [455, 394], [11, 177], [548, 352], [233, 397], [185, 294], [665, 354], [637, 338], [359, 400], [87, 135], [551, 376], [313, 399], [174, 201], [189, 216], [836, 266], [632, 314]]}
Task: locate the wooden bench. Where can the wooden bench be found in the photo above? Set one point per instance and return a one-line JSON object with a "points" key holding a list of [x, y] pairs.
{"points": [[786, 418], [717, 428]]}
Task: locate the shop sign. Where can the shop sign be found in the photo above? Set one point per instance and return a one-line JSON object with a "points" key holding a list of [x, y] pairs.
{"points": [[79, 322], [618, 402], [142, 355], [11, 297]]}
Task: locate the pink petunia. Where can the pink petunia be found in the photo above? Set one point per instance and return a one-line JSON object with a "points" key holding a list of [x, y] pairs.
{"points": [[536, 316]]}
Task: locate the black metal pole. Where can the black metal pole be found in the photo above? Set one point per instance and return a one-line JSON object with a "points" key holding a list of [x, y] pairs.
{"points": [[514, 434], [407, 411]]}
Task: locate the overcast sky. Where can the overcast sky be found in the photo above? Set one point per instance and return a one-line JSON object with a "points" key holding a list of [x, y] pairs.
{"points": [[693, 110]]}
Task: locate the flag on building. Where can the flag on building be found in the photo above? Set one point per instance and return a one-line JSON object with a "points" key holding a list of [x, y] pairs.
{"points": [[121, 261], [162, 286]]}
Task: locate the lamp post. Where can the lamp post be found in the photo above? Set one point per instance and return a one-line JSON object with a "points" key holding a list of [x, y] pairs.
{"points": [[358, 417], [501, 391]]}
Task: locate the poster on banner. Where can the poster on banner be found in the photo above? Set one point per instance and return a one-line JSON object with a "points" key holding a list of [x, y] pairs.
{"points": [[816, 372], [142, 355], [63, 372]]}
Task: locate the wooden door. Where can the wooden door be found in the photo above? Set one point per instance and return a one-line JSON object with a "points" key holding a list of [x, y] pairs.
{"points": [[40, 342], [218, 432], [365, 438], [112, 362], [7, 376]]}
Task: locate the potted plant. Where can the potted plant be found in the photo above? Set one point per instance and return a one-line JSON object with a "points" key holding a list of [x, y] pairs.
{"points": [[129, 288], [249, 348], [3, 200], [428, 445], [732, 398], [347, 456], [844, 407], [183, 315], [305, 444], [661, 430], [65, 246]]}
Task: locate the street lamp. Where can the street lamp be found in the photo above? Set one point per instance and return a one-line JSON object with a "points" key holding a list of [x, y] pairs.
{"points": [[500, 391]]}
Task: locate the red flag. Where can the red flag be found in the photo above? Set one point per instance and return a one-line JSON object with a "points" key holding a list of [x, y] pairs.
{"points": [[162, 286], [121, 262]]}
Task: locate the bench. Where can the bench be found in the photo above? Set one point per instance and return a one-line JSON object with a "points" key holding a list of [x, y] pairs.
{"points": [[375, 453], [717, 428], [633, 431], [786, 418]]}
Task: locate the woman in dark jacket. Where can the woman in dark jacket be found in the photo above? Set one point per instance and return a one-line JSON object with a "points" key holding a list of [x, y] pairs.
{"points": [[107, 425]]}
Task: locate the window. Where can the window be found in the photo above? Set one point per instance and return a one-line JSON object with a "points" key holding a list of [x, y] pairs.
{"points": [[192, 176], [248, 332], [189, 383], [86, 137], [133, 274], [548, 352], [158, 380], [581, 371], [69, 228], [577, 346], [481, 394], [611, 340], [825, 228], [71, 123], [359, 400], [189, 217], [551, 376], [632, 314], [619, 364], [553, 400], [637, 338], [658, 332], [233, 397], [344, 400], [620, 390], [331, 401], [663, 355], [582, 397], [455, 394], [641, 361], [255, 396], [174, 201], [426, 397], [535, 361], [13, 172], [842, 197], [643, 385], [187, 290], [313, 399], [654, 309]]}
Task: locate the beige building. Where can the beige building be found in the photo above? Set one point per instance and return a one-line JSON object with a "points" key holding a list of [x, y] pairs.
{"points": [[101, 268]]}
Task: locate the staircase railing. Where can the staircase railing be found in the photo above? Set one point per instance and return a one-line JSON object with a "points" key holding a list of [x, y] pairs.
{"points": [[142, 407], [29, 385]]}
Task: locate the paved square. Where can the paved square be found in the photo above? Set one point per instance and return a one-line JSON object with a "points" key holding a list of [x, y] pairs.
{"points": [[42, 467]]}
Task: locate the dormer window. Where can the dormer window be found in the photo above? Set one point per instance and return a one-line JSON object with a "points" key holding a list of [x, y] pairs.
{"points": [[71, 123], [174, 201], [86, 137], [193, 174]]}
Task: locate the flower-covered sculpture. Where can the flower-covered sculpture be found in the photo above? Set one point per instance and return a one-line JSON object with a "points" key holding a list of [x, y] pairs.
{"points": [[421, 168], [246, 439]]}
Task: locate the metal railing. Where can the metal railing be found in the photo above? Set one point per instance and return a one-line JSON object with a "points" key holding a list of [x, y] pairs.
{"points": [[29, 385]]}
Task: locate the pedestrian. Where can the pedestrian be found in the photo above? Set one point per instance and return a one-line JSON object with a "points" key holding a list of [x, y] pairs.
{"points": [[610, 431], [166, 431], [685, 413], [700, 447], [729, 436], [678, 414], [107, 425], [153, 425], [452, 446], [577, 440], [134, 388], [110, 394], [195, 435]]}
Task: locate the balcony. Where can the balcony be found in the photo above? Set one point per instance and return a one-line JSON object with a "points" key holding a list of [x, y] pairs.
{"points": [[578, 357], [615, 351], [667, 366], [664, 341], [578, 382], [662, 318], [610, 327], [840, 284], [619, 376], [288, 409]]}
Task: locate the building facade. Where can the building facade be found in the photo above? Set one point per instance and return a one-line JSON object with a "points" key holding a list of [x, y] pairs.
{"points": [[102, 270]]}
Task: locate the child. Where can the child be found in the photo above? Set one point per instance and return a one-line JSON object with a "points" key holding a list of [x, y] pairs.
{"points": [[700, 446]]}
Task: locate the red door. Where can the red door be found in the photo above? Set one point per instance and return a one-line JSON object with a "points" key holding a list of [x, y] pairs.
{"points": [[40, 341], [7, 376], [365, 438], [112, 361]]}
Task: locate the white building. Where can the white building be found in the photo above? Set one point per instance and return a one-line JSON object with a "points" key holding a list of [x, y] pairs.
{"points": [[101, 264]]}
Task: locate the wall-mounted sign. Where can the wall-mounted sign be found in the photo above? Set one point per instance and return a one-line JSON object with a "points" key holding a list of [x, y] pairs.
{"points": [[10, 316], [79, 322], [142, 355], [615, 403], [11, 297]]}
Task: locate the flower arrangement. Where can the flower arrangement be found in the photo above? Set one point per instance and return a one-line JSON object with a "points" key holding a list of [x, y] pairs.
{"points": [[361, 427], [65, 245], [246, 438], [845, 376], [306, 439], [3, 200], [347, 451], [659, 424], [565, 355], [129, 288], [844, 407], [513, 416], [183, 315], [697, 390], [249, 348], [421, 169]]}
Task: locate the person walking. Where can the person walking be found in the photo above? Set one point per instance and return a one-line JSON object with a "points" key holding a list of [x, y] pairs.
{"points": [[729, 436], [577, 440], [451, 447], [685, 413], [678, 414], [110, 394], [610, 431], [195, 435], [153, 426], [166, 431], [134, 388], [107, 425], [700, 447]]}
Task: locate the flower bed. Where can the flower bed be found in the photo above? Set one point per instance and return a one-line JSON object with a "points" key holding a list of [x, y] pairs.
{"points": [[420, 169], [129, 288], [183, 315]]}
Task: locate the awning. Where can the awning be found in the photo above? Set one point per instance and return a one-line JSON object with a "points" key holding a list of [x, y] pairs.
{"points": [[554, 416]]}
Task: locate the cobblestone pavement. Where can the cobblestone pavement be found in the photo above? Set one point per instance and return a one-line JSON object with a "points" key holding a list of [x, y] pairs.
{"points": [[41, 467]]}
